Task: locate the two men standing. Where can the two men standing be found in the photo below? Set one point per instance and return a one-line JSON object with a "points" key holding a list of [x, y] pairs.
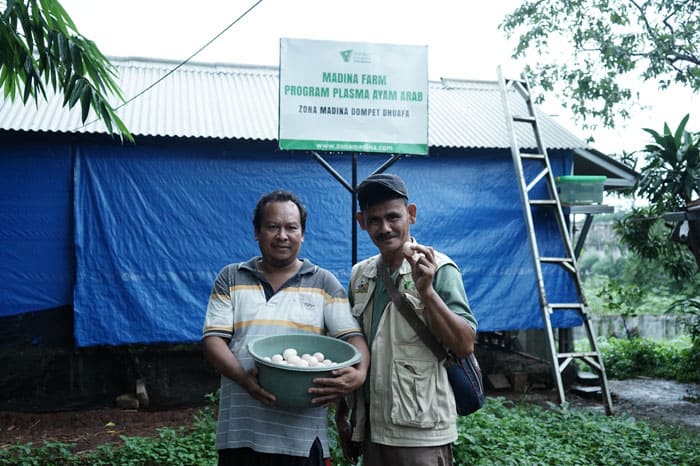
{"points": [[402, 406]]}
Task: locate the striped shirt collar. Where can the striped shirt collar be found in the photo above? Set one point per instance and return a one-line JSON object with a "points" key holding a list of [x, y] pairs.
{"points": [[307, 266]]}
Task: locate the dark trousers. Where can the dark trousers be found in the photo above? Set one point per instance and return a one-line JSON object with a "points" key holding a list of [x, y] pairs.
{"points": [[384, 455], [250, 457]]}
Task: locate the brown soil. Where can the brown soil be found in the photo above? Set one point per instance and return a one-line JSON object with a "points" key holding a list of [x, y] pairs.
{"points": [[657, 401], [88, 429]]}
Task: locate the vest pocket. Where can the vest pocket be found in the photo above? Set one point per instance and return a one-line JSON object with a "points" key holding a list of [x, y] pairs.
{"points": [[413, 387], [358, 307]]}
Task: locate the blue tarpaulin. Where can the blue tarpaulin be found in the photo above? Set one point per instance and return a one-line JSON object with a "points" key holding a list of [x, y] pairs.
{"points": [[153, 223], [36, 230]]}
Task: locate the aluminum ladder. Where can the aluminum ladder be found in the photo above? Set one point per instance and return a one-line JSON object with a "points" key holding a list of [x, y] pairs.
{"points": [[533, 171]]}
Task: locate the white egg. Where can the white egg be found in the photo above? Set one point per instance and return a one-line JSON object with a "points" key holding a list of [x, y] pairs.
{"points": [[319, 357], [305, 356], [327, 362], [294, 360], [302, 363], [313, 362], [288, 353], [277, 358], [408, 251], [267, 358]]}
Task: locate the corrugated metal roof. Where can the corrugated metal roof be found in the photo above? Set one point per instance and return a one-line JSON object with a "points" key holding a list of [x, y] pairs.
{"points": [[241, 102]]}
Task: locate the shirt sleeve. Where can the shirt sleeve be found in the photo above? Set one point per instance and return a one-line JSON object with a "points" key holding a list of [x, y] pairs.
{"points": [[448, 284], [219, 316]]}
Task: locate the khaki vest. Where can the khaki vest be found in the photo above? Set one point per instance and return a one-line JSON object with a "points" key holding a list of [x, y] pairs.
{"points": [[411, 401]]}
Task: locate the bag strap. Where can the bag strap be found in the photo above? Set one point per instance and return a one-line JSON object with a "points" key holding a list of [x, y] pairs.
{"points": [[409, 314]]}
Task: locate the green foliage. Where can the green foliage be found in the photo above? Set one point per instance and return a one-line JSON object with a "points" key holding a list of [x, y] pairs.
{"points": [[501, 433], [645, 233], [171, 447], [41, 45], [671, 176], [176, 447], [656, 296], [336, 451], [622, 300], [28, 454], [593, 266], [689, 309], [643, 357], [670, 179], [604, 41], [665, 268]]}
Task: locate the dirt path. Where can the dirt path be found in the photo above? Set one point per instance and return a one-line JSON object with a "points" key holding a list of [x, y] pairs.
{"points": [[658, 400]]}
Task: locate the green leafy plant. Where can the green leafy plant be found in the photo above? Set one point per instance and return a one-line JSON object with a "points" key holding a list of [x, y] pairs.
{"points": [[643, 357], [689, 309], [670, 180], [181, 447], [671, 176], [29, 454], [623, 300], [501, 433]]}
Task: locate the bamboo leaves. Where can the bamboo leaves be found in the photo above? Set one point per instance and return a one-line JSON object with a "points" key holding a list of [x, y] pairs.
{"points": [[41, 46]]}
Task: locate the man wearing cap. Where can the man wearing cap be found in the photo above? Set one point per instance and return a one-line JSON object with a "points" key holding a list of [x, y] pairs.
{"points": [[405, 414]]}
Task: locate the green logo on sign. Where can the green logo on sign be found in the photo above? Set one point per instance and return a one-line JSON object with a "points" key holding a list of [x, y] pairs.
{"points": [[346, 55]]}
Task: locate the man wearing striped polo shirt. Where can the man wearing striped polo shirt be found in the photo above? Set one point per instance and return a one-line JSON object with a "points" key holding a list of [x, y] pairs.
{"points": [[276, 293]]}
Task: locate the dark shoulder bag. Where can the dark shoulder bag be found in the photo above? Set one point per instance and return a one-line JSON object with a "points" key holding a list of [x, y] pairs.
{"points": [[464, 374]]}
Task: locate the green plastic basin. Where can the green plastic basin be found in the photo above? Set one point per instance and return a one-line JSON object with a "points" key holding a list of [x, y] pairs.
{"points": [[290, 383]]}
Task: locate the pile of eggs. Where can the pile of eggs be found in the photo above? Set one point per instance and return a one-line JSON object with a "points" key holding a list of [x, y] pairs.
{"points": [[290, 357]]}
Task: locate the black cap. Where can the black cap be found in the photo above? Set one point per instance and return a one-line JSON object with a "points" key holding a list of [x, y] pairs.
{"points": [[379, 188]]}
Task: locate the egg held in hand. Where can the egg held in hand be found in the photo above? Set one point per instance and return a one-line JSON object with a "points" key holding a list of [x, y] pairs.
{"points": [[408, 251]]}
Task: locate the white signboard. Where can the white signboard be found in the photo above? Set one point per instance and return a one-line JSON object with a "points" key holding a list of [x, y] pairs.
{"points": [[356, 97]]}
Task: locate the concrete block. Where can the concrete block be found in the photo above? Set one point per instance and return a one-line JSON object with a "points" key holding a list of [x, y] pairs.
{"points": [[498, 381], [127, 401], [520, 384], [142, 393]]}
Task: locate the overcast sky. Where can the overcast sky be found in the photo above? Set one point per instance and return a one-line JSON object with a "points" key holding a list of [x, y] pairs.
{"points": [[463, 40]]}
